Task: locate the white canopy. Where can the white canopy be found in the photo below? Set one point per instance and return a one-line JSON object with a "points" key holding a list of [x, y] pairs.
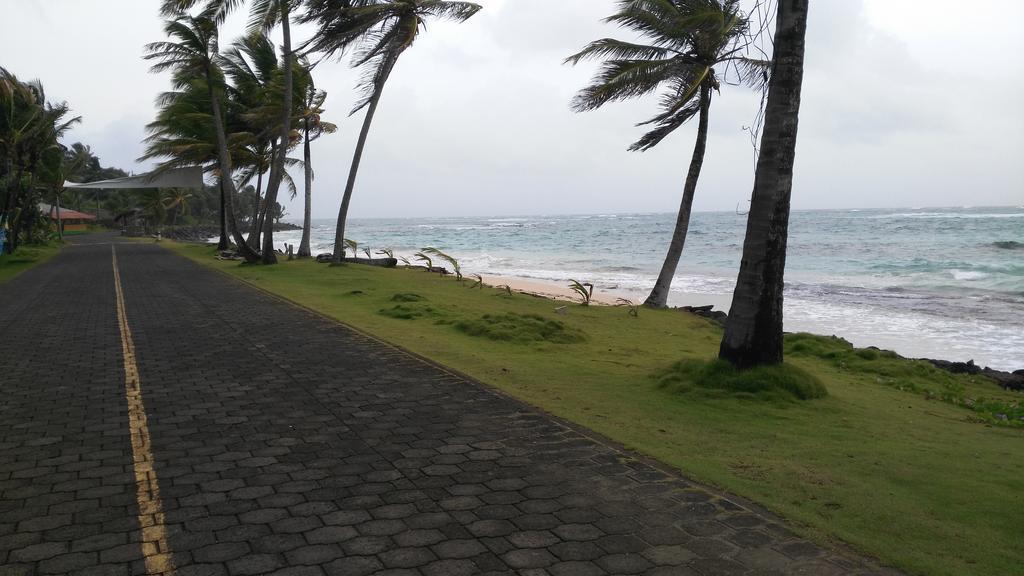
{"points": [[190, 177]]}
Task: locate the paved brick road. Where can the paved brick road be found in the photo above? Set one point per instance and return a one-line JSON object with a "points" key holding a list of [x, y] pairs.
{"points": [[288, 444]]}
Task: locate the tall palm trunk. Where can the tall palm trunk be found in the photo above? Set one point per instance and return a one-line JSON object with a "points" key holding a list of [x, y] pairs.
{"points": [[254, 228], [304, 251], [339, 234], [753, 332], [227, 184], [269, 257], [60, 223], [223, 243], [659, 295]]}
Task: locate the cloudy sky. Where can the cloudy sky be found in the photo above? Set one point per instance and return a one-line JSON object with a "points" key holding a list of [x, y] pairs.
{"points": [[903, 106]]}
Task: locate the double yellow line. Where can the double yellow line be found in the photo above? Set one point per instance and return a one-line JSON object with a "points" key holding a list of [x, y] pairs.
{"points": [[155, 550]]}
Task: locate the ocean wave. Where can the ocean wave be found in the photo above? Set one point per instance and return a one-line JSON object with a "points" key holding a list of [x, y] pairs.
{"points": [[1008, 245], [937, 215], [968, 274]]}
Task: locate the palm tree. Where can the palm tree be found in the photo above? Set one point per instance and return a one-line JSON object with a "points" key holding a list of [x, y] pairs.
{"points": [[264, 16], [193, 56], [30, 130], [380, 30], [753, 331], [251, 64], [685, 41], [312, 128], [178, 201], [183, 134]]}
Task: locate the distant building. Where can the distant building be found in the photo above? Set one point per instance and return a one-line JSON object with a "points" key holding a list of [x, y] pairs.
{"points": [[70, 220]]}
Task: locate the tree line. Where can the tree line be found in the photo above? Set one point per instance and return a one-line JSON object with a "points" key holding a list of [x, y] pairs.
{"points": [[241, 111]]}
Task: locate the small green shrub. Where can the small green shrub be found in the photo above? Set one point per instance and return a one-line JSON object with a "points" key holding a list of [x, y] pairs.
{"points": [[520, 328], [780, 382], [407, 297], [585, 290], [405, 312]]}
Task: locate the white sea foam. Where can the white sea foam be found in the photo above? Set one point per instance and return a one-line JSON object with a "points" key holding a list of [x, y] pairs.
{"points": [[968, 275], [957, 215]]}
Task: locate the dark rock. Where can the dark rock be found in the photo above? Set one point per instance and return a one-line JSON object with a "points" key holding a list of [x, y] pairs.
{"points": [[968, 367], [708, 312], [1009, 245], [1009, 380], [381, 262]]}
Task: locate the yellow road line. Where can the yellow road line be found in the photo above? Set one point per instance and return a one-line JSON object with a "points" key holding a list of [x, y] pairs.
{"points": [[151, 510]]}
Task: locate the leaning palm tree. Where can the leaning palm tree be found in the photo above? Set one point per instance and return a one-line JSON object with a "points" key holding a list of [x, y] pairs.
{"points": [[313, 126], [194, 55], [380, 31], [753, 332], [264, 16], [251, 64], [685, 40]]}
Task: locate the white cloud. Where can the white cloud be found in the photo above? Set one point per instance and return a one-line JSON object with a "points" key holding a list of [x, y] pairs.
{"points": [[903, 105]]}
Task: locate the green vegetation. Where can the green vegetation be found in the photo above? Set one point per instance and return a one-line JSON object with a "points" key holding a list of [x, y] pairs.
{"points": [[520, 328], [899, 474], [585, 290], [778, 382], [27, 256], [920, 377]]}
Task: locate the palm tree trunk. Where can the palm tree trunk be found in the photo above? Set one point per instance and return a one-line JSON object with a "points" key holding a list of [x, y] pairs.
{"points": [[12, 212], [60, 223], [223, 244], [753, 331], [338, 256], [269, 257], [659, 295], [227, 184], [304, 251], [254, 228]]}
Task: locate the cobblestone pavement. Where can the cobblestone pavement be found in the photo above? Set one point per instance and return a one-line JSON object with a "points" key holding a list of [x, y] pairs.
{"points": [[288, 444]]}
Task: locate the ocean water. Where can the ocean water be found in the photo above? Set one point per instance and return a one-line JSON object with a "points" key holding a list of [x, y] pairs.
{"points": [[942, 283]]}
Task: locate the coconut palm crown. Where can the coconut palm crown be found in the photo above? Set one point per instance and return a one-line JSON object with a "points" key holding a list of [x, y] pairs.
{"points": [[686, 41]]}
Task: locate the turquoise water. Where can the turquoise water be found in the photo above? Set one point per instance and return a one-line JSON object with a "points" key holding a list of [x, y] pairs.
{"points": [[945, 283]]}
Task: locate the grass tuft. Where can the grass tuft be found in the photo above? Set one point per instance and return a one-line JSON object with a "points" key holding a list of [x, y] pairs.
{"points": [[404, 312], [781, 382], [27, 256], [407, 297], [520, 328]]}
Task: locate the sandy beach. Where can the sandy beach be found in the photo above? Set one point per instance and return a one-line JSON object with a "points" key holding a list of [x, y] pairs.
{"points": [[555, 291], [602, 296]]}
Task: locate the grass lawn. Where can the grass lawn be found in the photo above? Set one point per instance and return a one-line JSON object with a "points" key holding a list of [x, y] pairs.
{"points": [[27, 256], [905, 463]]}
